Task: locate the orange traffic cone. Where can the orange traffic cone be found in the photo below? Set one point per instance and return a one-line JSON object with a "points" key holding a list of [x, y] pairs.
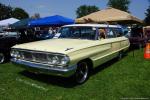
{"points": [[147, 51]]}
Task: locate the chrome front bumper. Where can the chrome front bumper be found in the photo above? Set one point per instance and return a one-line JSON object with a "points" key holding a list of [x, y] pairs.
{"points": [[46, 69]]}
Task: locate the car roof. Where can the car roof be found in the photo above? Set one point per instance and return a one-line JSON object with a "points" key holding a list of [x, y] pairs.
{"points": [[94, 25]]}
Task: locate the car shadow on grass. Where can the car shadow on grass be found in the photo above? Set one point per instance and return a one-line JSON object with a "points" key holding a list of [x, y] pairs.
{"points": [[49, 79], [60, 81]]}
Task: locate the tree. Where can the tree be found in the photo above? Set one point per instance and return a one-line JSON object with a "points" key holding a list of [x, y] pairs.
{"points": [[19, 13], [147, 18], [36, 16], [85, 10], [8, 11], [5, 11], [119, 4]]}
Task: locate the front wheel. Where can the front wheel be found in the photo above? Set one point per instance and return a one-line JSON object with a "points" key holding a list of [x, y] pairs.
{"points": [[82, 72], [2, 58]]}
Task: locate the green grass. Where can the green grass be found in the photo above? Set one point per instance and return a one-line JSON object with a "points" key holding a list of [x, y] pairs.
{"points": [[126, 78]]}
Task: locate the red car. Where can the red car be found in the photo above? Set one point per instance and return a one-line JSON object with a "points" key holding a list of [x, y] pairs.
{"points": [[146, 31], [137, 37]]}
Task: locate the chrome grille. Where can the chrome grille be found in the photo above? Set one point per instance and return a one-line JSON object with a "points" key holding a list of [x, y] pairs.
{"points": [[40, 57], [27, 55], [33, 56]]}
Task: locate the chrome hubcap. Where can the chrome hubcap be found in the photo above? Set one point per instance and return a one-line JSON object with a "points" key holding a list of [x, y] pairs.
{"points": [[82, 72], [1, 57]]}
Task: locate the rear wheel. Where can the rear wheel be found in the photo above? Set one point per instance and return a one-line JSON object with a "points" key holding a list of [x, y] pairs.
{"points": [[139, 45], [2, 58], [82, 72], [121, 53]]}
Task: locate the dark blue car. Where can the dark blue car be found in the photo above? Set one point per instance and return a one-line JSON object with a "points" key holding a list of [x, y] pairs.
{"points": [[42, 35]]}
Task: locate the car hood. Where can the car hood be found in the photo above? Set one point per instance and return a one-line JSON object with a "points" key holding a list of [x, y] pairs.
{"points": [[63, 46]]}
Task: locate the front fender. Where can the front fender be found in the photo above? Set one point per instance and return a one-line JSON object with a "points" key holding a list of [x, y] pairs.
{"points": [[90, 52]]}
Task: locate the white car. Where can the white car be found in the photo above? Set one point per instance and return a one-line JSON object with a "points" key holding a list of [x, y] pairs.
{"points": [[79, 49]]}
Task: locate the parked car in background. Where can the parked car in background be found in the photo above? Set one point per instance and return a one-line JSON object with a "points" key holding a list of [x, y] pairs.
{"points": [[79, 49], [137, 37], [43, 35], [11, 34], [2, 33], [146, 31], [9, 38]]}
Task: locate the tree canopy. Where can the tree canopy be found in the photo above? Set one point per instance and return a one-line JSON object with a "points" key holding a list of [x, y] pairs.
{"points": [[119, 4], [36, 16], [8, 11], [19, 13], [85, 10], [147, 18], [5, 11]]}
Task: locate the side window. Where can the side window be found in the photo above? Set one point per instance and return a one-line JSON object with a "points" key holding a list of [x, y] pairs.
{"points": [[102, 33], [118, 32], [76, 33], [111, 33], [87, 33], [64, 32]]}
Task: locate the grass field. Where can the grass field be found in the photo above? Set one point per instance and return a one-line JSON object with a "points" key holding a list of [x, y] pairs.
{"points": [[126, 78]]}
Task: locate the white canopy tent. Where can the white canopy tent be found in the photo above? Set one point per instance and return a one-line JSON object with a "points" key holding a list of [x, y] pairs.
{"points": [[8, 21], [109, 15]]}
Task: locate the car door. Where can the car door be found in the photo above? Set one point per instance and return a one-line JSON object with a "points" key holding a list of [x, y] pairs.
{"points": [[104, 46], [112, 44], [124, 42], [114, 40]]}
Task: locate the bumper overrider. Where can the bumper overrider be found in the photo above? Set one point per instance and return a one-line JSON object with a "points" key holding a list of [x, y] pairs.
{"points": [[45, 69]]}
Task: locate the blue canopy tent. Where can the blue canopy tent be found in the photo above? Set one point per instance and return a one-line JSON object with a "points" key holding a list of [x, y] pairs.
{"points": [[55, 20], [22, 24]]}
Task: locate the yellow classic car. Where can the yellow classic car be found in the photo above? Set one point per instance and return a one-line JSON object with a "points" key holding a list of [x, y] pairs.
{"points": [[79, 48]]}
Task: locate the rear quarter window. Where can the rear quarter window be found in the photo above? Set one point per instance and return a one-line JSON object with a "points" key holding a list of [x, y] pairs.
{"points": [[111, 33], [118, 32]]}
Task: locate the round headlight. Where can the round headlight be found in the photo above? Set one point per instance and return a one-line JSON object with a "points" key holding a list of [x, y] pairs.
{"points": [[55, 60], [64, 60], [49, 59], [21, 55], [14, 53]]}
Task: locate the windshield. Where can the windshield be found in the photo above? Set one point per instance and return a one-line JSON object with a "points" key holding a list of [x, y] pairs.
{"points": [[76, 32]]}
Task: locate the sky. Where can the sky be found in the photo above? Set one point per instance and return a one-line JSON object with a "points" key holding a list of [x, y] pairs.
{"points": [[68, 8]]}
